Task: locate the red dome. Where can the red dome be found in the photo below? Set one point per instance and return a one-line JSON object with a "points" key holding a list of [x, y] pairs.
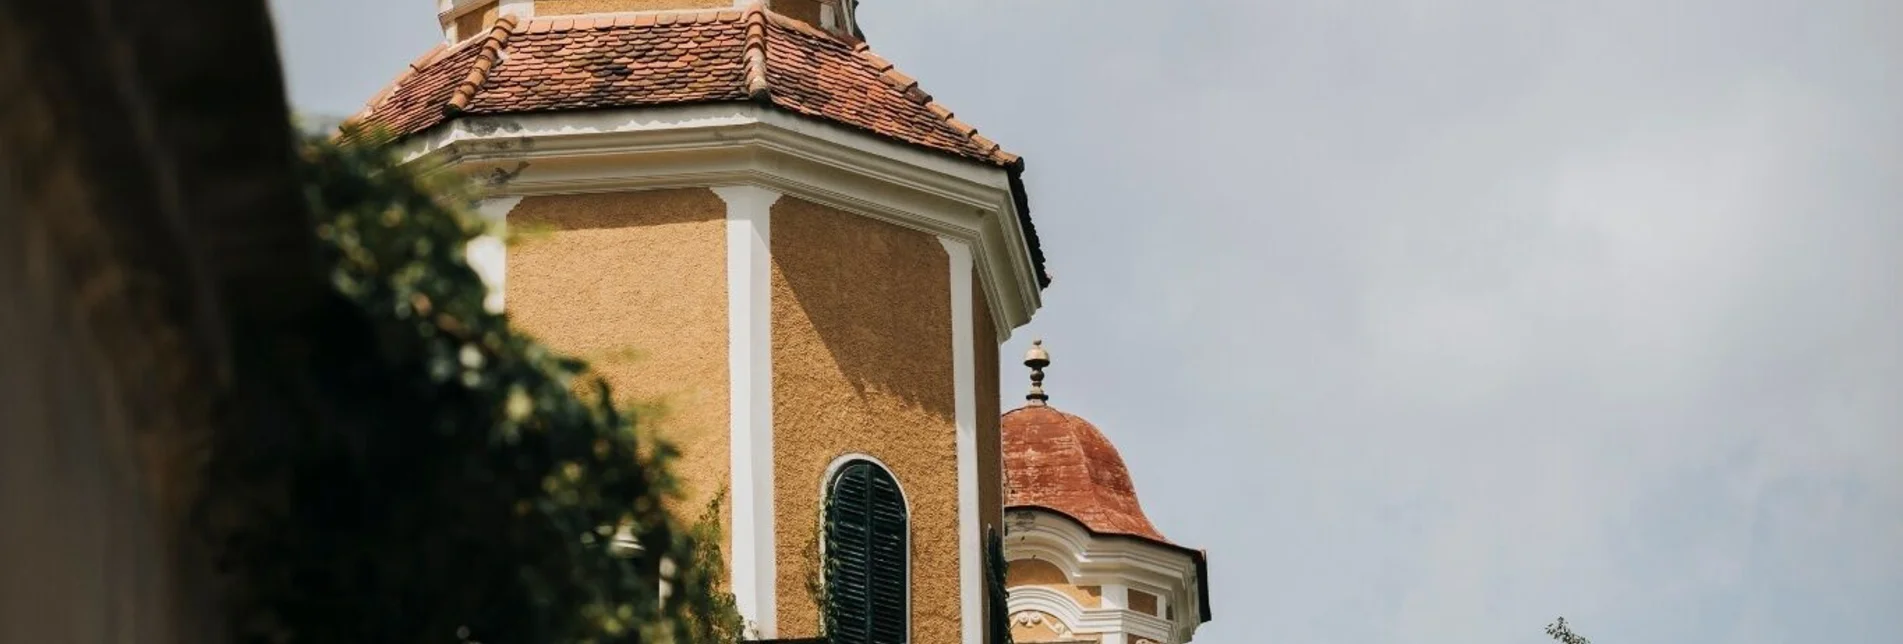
{"points": [[1060, 462]]}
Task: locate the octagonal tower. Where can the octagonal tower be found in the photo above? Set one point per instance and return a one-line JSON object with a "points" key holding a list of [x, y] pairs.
{"points": [[786, 252], [462, 19]]}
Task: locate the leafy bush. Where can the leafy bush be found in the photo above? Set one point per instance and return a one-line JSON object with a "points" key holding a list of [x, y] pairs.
{"points": [[439, 476]]}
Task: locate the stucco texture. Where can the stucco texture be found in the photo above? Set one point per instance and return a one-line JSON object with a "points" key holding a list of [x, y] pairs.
{"points": [[469, 24], [571, 7], [990, 448], [862, 363], [804, 10], [636, 284], [1031, 572]]}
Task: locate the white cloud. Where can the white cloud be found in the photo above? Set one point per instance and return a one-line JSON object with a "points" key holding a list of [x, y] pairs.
{"points": [[1434, 320]]}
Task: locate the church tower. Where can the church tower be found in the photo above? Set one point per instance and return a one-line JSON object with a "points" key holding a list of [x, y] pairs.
{"points": [[1085, 563], [783, 251], [463, 19]]}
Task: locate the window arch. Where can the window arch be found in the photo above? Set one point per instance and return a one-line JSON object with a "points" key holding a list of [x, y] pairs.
{"points": [[867, 556]]}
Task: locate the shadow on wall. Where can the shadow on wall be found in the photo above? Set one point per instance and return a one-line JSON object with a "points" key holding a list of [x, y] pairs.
{"points": [[877, 297]]}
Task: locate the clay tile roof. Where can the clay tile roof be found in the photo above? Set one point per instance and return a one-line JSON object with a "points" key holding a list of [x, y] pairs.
{"points": [[672, 58], [1060, 462], [416, 100]]}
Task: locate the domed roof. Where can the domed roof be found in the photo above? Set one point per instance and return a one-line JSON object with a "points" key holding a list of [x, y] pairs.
{"points": [[1060, 462]]}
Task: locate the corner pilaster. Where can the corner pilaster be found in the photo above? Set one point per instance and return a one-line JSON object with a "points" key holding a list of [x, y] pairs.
{"points": [[488, 255], [750, 378], [971, 591]]}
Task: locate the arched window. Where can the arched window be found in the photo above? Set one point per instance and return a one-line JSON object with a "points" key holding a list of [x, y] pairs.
{"points": [[866, 556]]}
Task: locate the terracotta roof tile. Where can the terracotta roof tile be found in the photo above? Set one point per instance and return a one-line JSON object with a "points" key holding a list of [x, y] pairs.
{"points": [[1060, 462], [677, 57], [416, 101], [568, 63]]}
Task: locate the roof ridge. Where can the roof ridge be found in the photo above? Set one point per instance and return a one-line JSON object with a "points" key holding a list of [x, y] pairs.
{"points": [[755, 53], [605, 20], [377, 100], [487, 59], [908, 87]]}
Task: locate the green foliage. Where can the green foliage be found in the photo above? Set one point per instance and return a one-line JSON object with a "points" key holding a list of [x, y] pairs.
{"points": [[720, 623], [1561, 632], [995, 593], [436, 477], [816, 576]]}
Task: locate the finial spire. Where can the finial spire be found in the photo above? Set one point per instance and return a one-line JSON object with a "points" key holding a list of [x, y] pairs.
{"points": [[1037, 359]]}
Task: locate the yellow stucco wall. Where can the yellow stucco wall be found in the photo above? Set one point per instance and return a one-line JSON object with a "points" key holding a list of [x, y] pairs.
{"points": [[862, 362], [1032, 572], [990, 450], [803, 10], [469, 24], [569, 7], [636, 283]]}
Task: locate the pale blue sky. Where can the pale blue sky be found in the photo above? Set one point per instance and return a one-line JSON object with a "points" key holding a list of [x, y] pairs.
{"points": [[1434, 320]]}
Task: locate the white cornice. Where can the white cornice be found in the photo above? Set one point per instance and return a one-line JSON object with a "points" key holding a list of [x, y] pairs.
{"points": [[448, 10], [748, 144], [1088, 621], [1091, 560]]}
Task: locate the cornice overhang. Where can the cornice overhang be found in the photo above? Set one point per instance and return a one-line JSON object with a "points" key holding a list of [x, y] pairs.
{"points": [[1090, 621], [726, 144], [1089, 558]]}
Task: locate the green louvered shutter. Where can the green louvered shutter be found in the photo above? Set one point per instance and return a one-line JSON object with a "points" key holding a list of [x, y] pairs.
{"points": [[866, 549]]}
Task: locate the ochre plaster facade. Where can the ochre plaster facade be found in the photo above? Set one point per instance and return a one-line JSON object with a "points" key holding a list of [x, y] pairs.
{"points": [[862, 363], [990, 442], [469, 24], [808, 11], [1031, 572], [571, 7], [636, 284]]}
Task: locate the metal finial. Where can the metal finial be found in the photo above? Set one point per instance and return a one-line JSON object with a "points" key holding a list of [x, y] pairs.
{"points": [[1037, 359]]}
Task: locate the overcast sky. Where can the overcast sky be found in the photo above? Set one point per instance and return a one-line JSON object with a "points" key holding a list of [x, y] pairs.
{"points": [[1433, 320]]}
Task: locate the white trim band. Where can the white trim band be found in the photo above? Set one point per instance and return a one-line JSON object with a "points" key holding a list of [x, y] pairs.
{"points": [[750, 402], [488, 255], [735, 143], [965, 411]]}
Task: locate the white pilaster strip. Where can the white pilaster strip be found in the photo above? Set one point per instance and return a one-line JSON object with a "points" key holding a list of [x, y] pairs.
{"points": [[489, 254], [750, 401], [965, 410]]}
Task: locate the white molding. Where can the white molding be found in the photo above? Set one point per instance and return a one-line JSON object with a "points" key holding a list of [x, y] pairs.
{"points": [[1110, 624], [747, 144], [488, 255], [1049, 602], [832, 469], [965, 411], [825, 492], [750, 402], [1115, 564]]}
